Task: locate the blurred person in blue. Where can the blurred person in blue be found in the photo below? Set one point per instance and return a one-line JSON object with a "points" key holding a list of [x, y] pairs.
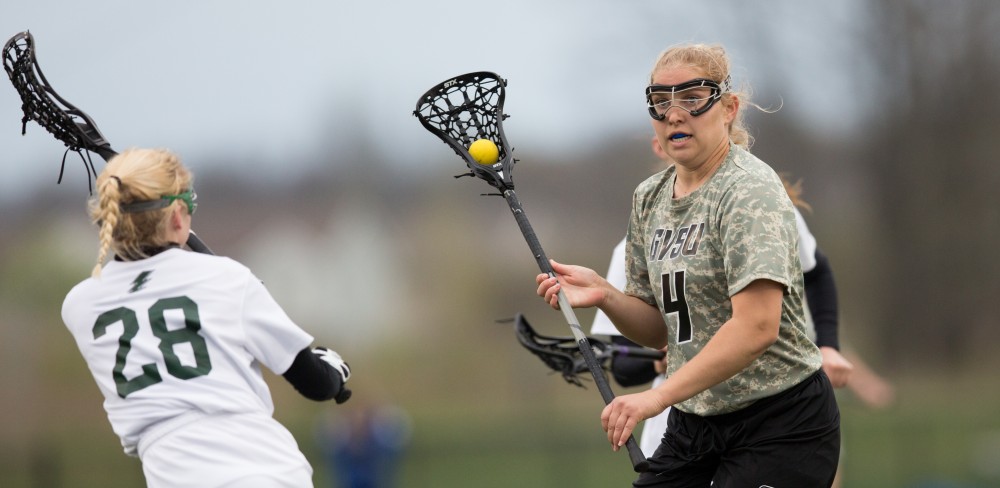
{"points": [[364, 446]]}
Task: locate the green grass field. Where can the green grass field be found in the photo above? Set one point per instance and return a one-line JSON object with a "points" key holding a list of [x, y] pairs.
{"points": [[940, 434]]}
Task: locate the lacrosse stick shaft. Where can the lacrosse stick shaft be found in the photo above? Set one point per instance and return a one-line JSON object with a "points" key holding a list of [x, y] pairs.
{"points": [[639, 462], [197, 245]]}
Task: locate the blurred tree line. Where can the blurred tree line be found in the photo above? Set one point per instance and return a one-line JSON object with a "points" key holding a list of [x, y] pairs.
{"points": [[906, 203], [932, 161]]}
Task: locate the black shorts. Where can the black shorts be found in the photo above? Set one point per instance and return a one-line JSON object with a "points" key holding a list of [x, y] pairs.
{"points": [[788, 440]]}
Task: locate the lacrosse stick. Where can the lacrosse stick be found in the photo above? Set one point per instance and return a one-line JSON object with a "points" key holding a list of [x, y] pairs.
{"points": [[467, 109], [65, 122], [562, 355]]}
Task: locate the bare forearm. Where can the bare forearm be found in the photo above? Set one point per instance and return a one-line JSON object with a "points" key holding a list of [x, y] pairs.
{"points": [[752, 328], [637, 320], [734, 347]]}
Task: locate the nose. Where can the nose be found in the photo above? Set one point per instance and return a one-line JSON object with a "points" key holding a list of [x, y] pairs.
{"points": [[673, 116]]}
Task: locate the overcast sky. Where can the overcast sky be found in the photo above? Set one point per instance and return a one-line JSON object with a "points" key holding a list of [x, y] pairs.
{"points": [[284, 80]]}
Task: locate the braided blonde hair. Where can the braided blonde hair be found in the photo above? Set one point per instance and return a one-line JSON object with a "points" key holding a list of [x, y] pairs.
{"points": [[712, 60], [135, 175]]}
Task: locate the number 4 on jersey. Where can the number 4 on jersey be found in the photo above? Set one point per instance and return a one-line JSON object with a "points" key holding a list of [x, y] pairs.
{"points": [[675, 304]]}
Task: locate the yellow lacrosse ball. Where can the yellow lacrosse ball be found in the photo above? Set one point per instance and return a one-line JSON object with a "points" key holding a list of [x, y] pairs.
{"points": [[484, 151]]}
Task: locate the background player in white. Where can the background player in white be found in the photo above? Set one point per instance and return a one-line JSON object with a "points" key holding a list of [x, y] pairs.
{"points": [[715, 277], [175, 340]]}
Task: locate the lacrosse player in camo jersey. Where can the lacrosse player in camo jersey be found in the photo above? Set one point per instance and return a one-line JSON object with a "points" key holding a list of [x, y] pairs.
{"points": [[175, 340], [714, 276], [821, 317]]}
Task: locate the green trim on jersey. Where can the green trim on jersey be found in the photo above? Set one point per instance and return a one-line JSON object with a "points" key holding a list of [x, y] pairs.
{"points": [[690, 255]]}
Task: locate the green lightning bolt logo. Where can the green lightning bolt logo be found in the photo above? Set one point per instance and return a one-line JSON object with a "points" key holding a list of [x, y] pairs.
{"points": [[140, 281]]}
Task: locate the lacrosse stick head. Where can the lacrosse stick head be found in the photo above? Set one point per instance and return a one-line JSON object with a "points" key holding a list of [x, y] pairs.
{"points": [[41, 103], [561, 354], [464, 109]]}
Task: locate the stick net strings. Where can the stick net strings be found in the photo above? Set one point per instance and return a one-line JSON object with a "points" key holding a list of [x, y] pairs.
{"points": [[21, 67], [467, 111], [65, 122]]}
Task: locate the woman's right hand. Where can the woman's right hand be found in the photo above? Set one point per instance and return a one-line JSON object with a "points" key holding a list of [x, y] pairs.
{"points": [[581, 286]]}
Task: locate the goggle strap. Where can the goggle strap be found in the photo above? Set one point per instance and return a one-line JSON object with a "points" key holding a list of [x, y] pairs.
{"points": [[162, 202], [145, 206]]}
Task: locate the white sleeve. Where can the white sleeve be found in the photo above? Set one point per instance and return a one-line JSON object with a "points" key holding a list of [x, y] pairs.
{"points": [[273, 338], [616, 276], [807, 244]]}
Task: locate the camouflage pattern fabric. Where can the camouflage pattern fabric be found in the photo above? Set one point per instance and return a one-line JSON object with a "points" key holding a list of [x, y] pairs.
{"points": [[690, 255]]}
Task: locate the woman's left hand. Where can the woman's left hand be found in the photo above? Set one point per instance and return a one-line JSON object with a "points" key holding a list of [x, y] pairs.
{"points": [[623, 414], [836, 366]]}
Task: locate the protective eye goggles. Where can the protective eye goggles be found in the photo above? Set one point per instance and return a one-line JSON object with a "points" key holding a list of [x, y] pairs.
{"points": [[694, 97], [190, 198]]}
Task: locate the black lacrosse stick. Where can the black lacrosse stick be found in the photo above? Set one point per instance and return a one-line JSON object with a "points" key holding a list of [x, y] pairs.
{"points": [[469, 107], [70, 125], [563, 356]]}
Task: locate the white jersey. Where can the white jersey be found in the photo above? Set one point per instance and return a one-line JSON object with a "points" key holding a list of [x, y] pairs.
{"points": [[807, 254], [807, 243], [616, 277], [653, 428], [179, 335]]}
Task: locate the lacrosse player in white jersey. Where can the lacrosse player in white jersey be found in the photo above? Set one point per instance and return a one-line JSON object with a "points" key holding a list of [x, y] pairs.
{"points": [[175, 340]]}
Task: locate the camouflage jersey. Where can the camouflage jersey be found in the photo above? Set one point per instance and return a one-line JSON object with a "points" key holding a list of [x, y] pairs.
{"points": [[690, 255]]}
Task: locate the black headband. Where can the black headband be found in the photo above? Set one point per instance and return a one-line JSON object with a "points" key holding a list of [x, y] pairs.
{"points": [[136, 207]]}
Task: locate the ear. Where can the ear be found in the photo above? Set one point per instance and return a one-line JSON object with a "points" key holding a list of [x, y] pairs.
{"points": [[658, 149], [731, 103], [177, 213]]}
